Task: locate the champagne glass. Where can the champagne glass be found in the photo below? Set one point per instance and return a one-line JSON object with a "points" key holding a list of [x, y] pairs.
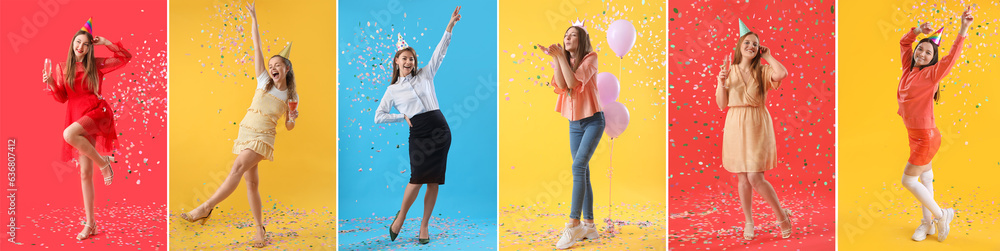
{"points": [[47, 71], [292, 106]]}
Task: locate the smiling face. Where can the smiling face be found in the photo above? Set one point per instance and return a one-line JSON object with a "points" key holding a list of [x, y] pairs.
{"points": [[277, 68], [405, 62], [749, 46], [81, 46], [924, 54], [570, 39]]}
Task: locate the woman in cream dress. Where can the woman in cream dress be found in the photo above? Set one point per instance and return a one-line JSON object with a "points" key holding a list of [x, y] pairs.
{"points": [[748, 145]]}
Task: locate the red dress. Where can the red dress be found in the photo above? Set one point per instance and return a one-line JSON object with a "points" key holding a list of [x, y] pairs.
{"points": [[87, 108]]}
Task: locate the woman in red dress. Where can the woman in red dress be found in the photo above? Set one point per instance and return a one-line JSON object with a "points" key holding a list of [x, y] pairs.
{"points": [[90, 127]]}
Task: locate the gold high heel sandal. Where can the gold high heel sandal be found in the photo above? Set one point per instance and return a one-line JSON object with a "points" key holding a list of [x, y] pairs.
{"points": [[748, 231], [108, 179], [262, 242], [785, 233], [189, 218], [93, 230]]}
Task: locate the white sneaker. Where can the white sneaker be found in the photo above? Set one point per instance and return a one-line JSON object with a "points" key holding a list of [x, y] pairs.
{"points": [[944, 223], [926, 228], [569, 236], [591, 232]]}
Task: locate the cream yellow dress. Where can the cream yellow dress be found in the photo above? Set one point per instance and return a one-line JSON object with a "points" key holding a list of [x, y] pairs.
{"points": [[748, 143], [259, 125]]}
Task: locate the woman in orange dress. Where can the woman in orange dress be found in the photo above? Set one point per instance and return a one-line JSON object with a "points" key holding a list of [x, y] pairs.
{"points": [[748, 145]]}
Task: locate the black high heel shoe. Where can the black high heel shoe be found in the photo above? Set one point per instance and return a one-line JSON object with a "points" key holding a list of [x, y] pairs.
{"points": [[392, 236], [423, 241]]}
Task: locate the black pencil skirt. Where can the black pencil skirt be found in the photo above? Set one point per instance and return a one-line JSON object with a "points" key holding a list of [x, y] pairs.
{"points": [[430, 140]]}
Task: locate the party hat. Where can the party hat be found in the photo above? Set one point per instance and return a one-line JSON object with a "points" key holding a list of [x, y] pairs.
{"points": [[287, 51], [936, 37], [89, 26], [743, 28], [401, 44]]}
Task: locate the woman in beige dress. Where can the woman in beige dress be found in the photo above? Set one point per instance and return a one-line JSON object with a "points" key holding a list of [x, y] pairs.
{"points": [[273, 98], [748, 145]]}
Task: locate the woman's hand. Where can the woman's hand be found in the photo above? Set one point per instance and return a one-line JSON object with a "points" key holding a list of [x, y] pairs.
{"points": [[724, 70], [407, 120], [765, 52], [454, 18], [558, 51], [100, 41], [966, 20], [924, 28], [252, 10], [293, 114]]}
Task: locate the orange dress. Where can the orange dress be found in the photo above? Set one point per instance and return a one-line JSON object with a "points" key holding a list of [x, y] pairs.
{"points": [[748, 143], [88, 108]]}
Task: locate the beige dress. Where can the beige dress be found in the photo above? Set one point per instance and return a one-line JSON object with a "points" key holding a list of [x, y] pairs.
{"points": [[748, 143], [258, 128]]}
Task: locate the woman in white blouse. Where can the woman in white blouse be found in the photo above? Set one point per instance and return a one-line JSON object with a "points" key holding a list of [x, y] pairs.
{"points": [[412, 94]]}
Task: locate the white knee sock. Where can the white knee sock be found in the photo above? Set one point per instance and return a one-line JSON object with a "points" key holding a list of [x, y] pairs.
{"points": [[923, 195], [927, 179]]}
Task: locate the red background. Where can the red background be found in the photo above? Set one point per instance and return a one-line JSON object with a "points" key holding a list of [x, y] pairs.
{"points": [[131, 212], [703, 202]]}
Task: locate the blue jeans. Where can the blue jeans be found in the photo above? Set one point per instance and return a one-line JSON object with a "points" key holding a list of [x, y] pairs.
{"points": [[584, 135]]}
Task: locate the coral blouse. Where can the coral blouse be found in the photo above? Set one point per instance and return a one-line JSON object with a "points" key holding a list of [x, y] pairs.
{"points": [[584, 101], [915, 93]]}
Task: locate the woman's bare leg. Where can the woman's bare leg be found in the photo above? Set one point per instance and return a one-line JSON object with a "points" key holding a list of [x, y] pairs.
{"points": [[765, 190], [430, 197], [746, 197], [253, 196], [246, 160], [76, 136], [87, 185], [409, 196]]}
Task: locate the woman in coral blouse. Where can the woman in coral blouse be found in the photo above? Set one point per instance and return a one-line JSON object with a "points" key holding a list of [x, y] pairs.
{"points": [[90, 125], [918, 90], [575, 81]]}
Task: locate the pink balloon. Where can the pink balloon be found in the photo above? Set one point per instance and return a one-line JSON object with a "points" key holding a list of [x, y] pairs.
{"points": [[615, 119], [607, 87], [621, 36]]}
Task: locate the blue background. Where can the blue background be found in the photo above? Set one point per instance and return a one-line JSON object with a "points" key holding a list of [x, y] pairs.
{"points": [[470, 190]]}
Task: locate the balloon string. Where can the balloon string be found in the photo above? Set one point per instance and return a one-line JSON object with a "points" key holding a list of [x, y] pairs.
{"points": [[611, 168]]}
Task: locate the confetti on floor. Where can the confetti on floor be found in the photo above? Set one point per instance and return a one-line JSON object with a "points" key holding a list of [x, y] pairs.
{"points": [[639, 226], [713, 219], [120, 225], [446, 234], [288, 228]]}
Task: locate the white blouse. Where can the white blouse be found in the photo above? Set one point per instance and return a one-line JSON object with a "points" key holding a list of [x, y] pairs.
{"points": [[412, 95]]}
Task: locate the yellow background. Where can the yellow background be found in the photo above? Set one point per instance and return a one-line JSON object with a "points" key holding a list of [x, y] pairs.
{"points": [[206, 108], [875, 211], [535, 160]]}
